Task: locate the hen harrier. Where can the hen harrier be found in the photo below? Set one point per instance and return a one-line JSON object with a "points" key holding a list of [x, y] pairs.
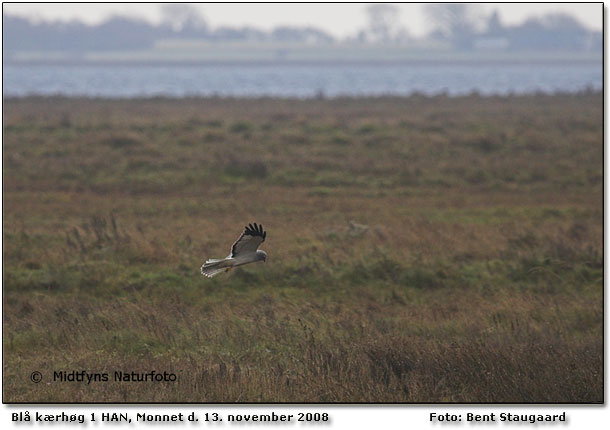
{"points": [[244, 251]]}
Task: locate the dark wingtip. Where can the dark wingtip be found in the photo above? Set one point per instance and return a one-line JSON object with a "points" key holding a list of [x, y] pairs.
{"points": [[255, 230]]}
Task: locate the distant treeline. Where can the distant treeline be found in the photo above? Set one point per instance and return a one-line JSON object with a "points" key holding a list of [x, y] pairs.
{"points": [[555, 32], [124, 33], [451, 27]]}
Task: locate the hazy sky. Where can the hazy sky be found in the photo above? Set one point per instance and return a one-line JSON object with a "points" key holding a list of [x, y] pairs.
{"points": [[339, 19]]}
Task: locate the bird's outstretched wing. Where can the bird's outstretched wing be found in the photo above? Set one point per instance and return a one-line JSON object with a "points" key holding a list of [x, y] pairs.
{"points": [[249, 240]]}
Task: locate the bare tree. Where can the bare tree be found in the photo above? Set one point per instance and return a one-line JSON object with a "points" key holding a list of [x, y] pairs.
{"points": [[454, 21], [384, 23], [181, 16]]}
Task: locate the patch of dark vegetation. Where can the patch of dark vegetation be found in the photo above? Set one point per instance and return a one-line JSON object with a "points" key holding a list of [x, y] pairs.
{"points": [[241, 127], [120, 142], [245, 168]]}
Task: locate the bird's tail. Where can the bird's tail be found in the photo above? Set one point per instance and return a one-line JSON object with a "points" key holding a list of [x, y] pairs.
{"points": [[214, 266]]}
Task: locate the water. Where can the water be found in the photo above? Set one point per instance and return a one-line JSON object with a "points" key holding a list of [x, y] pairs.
{"points": [[297, 80]]}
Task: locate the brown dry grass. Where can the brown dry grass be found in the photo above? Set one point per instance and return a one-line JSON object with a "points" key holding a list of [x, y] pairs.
{"points": [[478, 277]]}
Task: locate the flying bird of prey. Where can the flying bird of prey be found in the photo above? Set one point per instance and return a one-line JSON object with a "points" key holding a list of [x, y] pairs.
{"points": [[243, 251]]}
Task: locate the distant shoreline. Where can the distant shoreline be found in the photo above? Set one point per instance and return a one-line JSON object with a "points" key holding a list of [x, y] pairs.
{"points": [[228, 98], [299, 56]]}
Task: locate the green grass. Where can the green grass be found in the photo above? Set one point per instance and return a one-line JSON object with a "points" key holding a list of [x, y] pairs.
{"points": [[420, 249]]}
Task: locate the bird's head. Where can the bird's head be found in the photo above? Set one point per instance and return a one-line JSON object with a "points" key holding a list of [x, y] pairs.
{"points": [[262, 255]]}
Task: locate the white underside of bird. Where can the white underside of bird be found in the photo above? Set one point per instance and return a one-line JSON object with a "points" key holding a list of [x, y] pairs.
{"points": [[243, 251], [214, 266]]}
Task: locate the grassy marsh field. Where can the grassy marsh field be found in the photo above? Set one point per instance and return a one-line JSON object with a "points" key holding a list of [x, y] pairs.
{"points": [[421, 249]]}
